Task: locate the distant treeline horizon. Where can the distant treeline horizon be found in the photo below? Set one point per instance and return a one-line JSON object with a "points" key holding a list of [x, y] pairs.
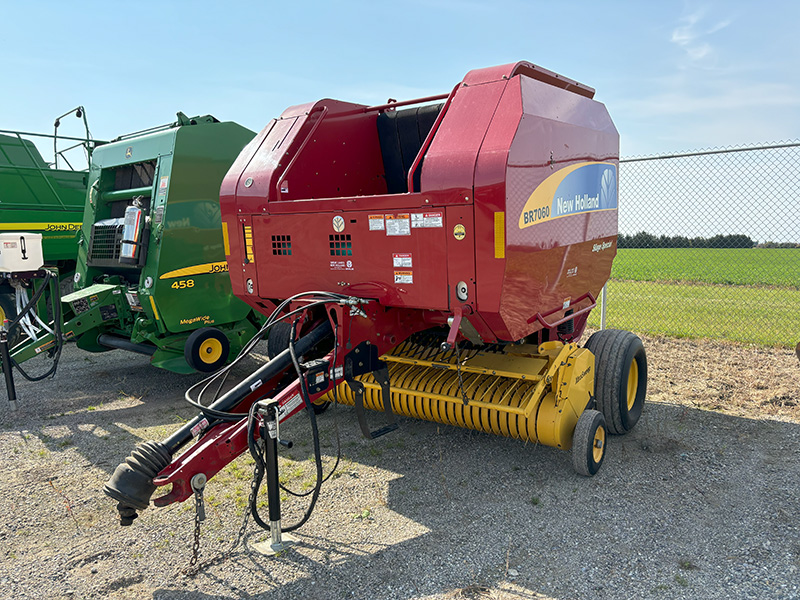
{"points": [[648, 240]]}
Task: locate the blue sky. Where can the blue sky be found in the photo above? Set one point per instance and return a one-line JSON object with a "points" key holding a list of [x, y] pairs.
{"points": [[674, 75]]}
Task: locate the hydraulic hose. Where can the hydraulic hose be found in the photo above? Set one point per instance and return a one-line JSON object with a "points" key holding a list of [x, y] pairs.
{"points": [[234, 397], [260, 465], [315, 299], [55, 300]]}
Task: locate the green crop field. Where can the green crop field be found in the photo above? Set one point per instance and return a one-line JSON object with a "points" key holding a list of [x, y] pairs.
{"points": [[744, 295], [728, 266]]}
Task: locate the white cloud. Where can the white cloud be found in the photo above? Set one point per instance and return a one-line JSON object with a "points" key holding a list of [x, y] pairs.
{"points": [[685, 33], [691, 33], [698, 52], [721, 25]]}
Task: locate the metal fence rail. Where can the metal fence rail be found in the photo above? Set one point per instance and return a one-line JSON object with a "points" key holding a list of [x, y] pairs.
{"points": [[709, 245]]}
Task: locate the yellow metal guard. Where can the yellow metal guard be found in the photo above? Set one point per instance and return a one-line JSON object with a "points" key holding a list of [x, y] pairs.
{"points": [[521, 391]]}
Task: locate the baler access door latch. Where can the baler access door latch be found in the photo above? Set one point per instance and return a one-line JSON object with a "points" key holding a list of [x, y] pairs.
{"points": [[361, 360]]}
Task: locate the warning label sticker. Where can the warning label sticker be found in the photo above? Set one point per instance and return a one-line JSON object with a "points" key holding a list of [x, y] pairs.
{"points": [[403, 277], [162, 185], [287, 408], [398, 224], [422, 220], [199, 427], [375, 222], [401, 259]]}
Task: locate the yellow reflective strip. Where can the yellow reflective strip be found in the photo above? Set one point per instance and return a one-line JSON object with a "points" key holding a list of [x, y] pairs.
{"points": [[155, 310], [205, 269], [41, 226], [226, 242], [248, 243], [499, 235]]}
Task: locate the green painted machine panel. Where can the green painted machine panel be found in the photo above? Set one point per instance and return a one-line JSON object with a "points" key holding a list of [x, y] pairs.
{"points": [[37, 198], [183, 282], [191, 283]]}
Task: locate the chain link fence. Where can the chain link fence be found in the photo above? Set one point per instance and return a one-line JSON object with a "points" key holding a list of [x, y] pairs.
{"points": [[709, 245]]}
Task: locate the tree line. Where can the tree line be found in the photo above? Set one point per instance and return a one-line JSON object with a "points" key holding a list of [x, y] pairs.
{"points": [[648, 240]]}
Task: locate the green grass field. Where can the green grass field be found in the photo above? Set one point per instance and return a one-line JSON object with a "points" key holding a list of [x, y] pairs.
{"points": [[756, 266], [750, 296]]}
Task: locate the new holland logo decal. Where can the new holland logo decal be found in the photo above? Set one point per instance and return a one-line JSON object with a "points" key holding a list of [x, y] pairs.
{"points": [[580, 188]]}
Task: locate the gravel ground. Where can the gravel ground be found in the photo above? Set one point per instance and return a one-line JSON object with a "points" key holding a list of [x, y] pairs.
{"points": [[701, 500]]}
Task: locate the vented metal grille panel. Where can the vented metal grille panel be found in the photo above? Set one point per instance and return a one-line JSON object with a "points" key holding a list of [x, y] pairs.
{"points": [[340, 244], [282, 245], [105, 245], [134, 176]]}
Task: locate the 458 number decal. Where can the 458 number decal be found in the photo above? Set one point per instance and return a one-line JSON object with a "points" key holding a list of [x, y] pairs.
{"points": [[182, 284]]}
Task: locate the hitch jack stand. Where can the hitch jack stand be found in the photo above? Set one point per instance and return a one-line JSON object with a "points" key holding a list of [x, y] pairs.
{"points": [[8, 374], [278, 542]]}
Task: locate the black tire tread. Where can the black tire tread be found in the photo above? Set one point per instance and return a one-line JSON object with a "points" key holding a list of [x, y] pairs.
{"points": [[610, 347], [582, 439], [278, 339]]}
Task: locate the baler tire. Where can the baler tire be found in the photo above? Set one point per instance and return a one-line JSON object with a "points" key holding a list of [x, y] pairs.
{"points": [[278, 339], [620, 381], [206, 349], [589, 443], [320, 408]]}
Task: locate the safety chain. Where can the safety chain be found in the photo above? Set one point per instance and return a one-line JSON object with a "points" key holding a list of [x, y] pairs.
{"points": [[464, 398], [193, 569], [197, 521], [250, 501]]}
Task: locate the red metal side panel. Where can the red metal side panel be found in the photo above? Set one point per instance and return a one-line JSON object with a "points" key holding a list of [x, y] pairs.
{"points": [[527, 69], [297, 252], [490, 206], [238, 201], [459, 253], [551, 259], [450, 161], [341, 157], [258, 161]]}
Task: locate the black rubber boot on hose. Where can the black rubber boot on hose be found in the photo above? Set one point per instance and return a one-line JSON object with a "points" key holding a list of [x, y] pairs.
{"points": [[132, 482]]}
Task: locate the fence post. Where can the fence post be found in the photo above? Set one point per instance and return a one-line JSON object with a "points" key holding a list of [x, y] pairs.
{"points": [[603, 302]]}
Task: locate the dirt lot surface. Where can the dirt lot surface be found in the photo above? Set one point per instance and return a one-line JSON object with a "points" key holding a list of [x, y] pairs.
{"points": [[701, 500]]}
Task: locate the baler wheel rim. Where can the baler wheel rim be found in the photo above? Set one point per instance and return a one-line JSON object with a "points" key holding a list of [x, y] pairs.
{"points": [[599, 444], [206, 349], [633, 383], [210, 351]]}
